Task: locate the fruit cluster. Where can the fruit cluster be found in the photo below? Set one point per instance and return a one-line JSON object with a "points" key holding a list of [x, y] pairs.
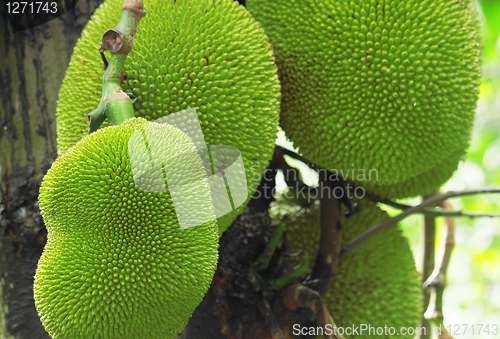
{"points": [[386, 86]]}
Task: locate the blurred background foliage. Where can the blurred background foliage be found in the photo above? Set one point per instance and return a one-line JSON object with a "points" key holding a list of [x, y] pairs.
{"points": [[472, 295]]}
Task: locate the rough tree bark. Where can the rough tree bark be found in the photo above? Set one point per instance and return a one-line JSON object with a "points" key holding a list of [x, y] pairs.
{"points": [[33, 64]]}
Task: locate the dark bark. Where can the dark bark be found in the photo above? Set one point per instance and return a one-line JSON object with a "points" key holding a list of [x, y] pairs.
{"points": [[239, 303], [33, 65], [234, 306]]}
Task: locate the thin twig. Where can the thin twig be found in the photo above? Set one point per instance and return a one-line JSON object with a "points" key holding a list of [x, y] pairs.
{"points": [[301, 270], [436, 282], [296, 296], [446, 247], [330, 240], [440, 213], [270, 319], [294, 155], [416, 209], [262, 261], [427, 251]]}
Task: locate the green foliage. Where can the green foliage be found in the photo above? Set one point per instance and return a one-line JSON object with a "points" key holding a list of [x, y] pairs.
{"points": [[491, 28]]}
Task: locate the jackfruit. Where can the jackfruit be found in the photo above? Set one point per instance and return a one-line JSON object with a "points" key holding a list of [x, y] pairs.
{"points": [[116, 263], [386, 88], [376, 284], [205, 54], [301, 227]]}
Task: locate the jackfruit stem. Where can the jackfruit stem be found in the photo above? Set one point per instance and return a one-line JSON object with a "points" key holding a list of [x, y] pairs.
{"points": [[262, 261], [270, 318], [351, 208], [436, 282], [330, 238], [115, 104], [427, 245], [302, 269], [301, 296]]}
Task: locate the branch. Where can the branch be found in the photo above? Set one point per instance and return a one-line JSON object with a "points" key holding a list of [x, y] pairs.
{"points": [[428, 248], [426, 211], [436, 282], [303, 194], [291, 154], [302, 269], [262, 261], [330, 240], [115, 104], [270, 319], [313, 192], [412, 210], [296, 296], [439, 213]]}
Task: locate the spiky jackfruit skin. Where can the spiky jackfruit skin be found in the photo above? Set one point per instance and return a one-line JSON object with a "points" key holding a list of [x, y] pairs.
{"points": [[379, 277], [389, 85], [433, 177], [377, 283], [116, 264], [207, 54]]}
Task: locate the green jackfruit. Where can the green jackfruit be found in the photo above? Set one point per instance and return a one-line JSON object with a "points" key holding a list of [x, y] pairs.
{"points": [[376, 284], [205, 54], [116, 263], [297, 220], [386, 88]]}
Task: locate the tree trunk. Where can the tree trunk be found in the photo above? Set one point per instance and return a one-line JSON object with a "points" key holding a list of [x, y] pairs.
{"points": [[33, 64]]}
